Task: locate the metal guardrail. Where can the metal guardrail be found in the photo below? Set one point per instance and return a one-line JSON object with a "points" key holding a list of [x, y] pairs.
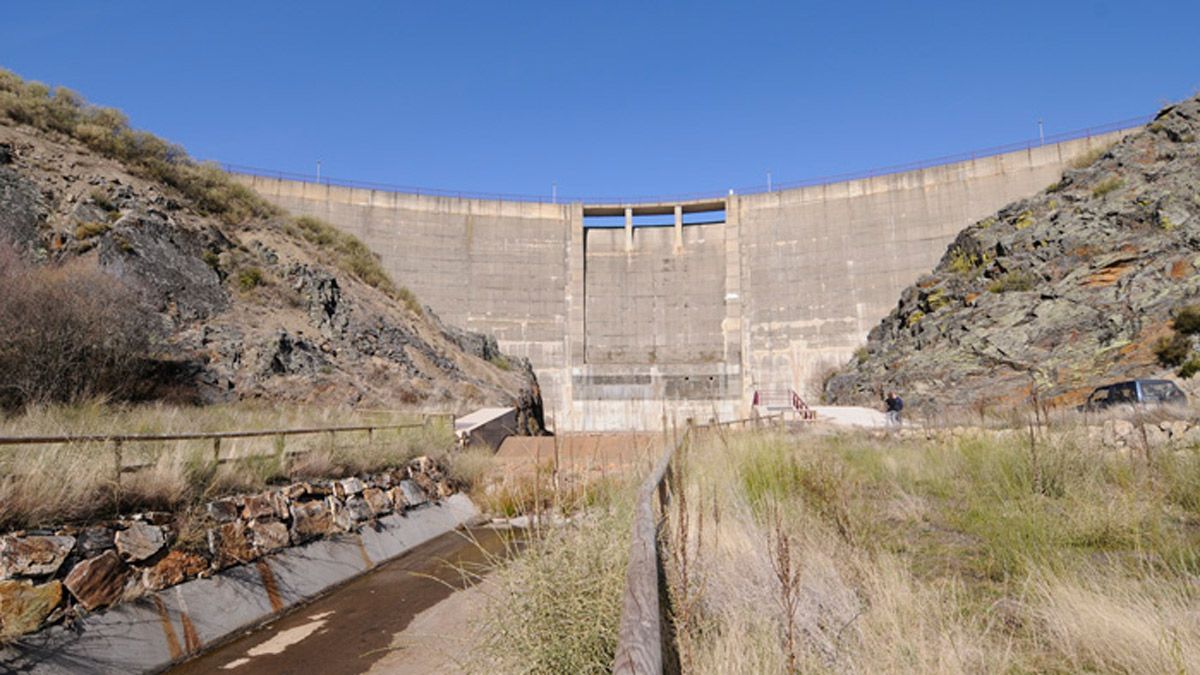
{"points": [[1086, 132], [118, 441], [639, 638]]}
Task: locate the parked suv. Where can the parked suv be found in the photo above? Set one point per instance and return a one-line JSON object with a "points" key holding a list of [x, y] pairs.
{"points": [[1145, 392]]}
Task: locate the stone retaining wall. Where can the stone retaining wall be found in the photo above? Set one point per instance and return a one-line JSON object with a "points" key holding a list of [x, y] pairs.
{"points": [[261, 553]]}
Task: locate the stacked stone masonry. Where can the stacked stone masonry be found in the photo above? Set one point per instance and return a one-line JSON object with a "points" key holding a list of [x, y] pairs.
{"points": [[629, 328], [52, 576]]}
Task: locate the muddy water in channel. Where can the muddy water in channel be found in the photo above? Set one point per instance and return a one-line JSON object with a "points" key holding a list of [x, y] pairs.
{"points": [[351, 628]]}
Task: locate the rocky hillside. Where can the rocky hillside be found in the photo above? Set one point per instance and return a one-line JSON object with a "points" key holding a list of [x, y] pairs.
{"points": [[245, 301], [1058, 293]]}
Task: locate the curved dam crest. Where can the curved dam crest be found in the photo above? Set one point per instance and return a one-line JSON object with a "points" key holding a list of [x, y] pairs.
{"points": [[629, 326]]}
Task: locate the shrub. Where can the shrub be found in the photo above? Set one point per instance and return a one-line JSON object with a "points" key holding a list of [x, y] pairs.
{"points": [[107, 132], [66, 332], [1014, 280], [1187, 320], [1088, 158], [89, 229], [961, 262], [250, 278], [1190, 368], [1172, 351], [100, 198], [1106, 186]]}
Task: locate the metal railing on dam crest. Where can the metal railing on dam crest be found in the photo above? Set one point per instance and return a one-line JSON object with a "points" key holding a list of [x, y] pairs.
{"points": [[980, 153]]}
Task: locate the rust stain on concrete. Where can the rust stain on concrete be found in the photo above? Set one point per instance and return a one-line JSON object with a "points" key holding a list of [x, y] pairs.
{"points": [[269, 583], [362, 550], [168, 630], [191, 640]]}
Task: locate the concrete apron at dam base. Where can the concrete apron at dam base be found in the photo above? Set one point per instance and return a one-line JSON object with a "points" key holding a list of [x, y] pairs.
{"points": [[152, 632]]}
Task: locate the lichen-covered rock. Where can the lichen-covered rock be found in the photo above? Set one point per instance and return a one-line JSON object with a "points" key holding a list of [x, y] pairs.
{"points": [[24, 606], [310, 519], [175, 568], [33, 556], [140, 541], [98, 581], [1055, 294]]}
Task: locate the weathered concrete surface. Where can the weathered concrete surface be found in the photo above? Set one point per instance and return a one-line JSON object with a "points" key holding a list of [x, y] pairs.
{"points": [[625, 326], [149, 633], [486, 427]]}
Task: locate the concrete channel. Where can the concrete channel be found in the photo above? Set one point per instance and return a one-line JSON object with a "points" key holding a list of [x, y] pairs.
{"points": [[348, 631], [154, 631]]}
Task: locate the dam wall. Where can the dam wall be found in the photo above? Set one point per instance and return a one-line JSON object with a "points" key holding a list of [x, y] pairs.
{"points": [[629, 327]]}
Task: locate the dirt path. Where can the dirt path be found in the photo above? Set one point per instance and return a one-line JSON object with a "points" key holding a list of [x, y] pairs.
{"points": [[364, 625]]}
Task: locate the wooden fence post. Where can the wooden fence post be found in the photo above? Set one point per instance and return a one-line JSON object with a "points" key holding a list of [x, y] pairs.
{"points": [[217, 451], [117, 461], [279, 448]]}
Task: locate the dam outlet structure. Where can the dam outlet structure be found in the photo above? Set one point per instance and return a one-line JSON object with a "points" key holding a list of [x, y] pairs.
{"points": [[634, 314]]}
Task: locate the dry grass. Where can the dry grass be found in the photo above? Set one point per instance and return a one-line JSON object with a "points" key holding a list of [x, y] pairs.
{"points": [[556, 607], [860, 554], [107, 131], [42, 485]]}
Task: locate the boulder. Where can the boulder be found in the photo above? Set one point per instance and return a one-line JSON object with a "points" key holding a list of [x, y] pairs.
{"points": [[98, 581], [223, 510], [377, 500], [281, 503], [33, 556], [140, 541], [24, 606], [92, 541], [310, 519], [230, 546], [347, 486], [413, 494], [297, 490], [258, 506], [269, 535], [359, 509], [175, 568], [1117, 433], [343, 518], [396, 496]]}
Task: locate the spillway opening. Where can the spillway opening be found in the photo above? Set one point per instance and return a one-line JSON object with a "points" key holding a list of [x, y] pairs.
{"points": [[612, 216]]}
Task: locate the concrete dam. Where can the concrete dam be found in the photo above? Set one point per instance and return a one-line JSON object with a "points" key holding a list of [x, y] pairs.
{"points": [[632, 313]]}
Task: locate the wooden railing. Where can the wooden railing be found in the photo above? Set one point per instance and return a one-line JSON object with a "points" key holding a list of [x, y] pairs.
{"points": [[640, 636], [118, 441]]}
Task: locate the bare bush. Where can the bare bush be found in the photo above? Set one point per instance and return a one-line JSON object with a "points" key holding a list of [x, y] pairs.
{"points": [[67, 331]]}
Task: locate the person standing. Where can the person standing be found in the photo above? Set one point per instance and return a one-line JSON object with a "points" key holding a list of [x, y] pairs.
{"points": [[894, 405]]}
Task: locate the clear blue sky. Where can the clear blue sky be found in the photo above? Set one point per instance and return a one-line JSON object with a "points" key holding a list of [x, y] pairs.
{"points": [[605, 98]]}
